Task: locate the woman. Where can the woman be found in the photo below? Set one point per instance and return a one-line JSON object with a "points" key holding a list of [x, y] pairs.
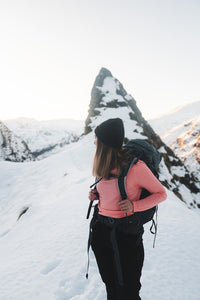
{"points": [[116, 251]]}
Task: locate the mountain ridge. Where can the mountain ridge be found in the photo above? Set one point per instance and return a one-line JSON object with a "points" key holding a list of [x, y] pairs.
{"points": [[182, 134]]}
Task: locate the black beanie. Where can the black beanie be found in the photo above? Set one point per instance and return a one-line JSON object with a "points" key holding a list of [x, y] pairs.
{"points": [[111, 132]]}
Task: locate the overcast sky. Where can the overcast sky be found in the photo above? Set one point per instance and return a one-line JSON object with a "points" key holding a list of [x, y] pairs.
{"points": [[52, 50]]}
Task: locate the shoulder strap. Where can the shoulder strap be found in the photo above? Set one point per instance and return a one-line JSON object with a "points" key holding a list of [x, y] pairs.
{"points": [[96, 181], [122, 179]]}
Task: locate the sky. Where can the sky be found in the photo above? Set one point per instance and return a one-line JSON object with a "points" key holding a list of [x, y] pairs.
{"points": [[52, 51]]}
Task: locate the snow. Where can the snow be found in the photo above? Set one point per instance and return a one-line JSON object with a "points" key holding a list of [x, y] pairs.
{"points": [[178, 170], [186, 145], [182, 114], [171, 158], [43, 254], [109, 86], [162, 150], [164, 172], [49, 135], [132, 129], [180, 130]]}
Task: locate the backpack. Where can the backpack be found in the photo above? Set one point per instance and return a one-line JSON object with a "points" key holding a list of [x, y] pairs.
{"points": [[138, 149], [141, 150]]}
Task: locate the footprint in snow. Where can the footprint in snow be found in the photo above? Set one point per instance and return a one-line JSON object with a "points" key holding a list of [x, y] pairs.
{"points": [[50, 267]]}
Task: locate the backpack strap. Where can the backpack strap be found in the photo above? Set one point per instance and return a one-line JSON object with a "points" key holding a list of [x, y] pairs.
{"points": [[91, 202], [121, 182], [155, 226], [88, 246], [122, 189], [96, 181]]}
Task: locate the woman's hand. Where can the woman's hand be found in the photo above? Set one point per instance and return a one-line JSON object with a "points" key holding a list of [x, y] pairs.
{"points": [[93, 195], [126, 206]]}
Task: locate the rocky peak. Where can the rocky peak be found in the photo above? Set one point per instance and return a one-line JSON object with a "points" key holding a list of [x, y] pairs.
{"points": [[187, 146], [13, 148], [109, 99]]}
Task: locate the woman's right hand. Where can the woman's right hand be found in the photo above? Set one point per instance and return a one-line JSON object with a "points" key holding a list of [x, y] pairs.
{"points": [[126, 206], [93, 195]]}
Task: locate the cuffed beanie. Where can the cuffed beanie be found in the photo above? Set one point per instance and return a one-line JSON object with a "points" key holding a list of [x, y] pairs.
{"points": [[111, 132]]}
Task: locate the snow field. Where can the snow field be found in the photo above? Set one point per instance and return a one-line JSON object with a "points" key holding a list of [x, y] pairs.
{"points": [[43, 255]]}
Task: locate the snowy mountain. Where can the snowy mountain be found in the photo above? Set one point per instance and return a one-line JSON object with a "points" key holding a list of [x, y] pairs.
{"points": [[110, 99], [180, 129], [12, 147], [46, 137]]}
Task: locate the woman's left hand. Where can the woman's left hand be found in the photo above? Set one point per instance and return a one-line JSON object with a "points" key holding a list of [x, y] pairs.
{"points": [[93, 195], [126, 206]]}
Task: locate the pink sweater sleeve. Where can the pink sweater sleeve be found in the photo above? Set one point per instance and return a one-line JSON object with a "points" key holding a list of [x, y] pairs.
{"points": [[146, 179]]}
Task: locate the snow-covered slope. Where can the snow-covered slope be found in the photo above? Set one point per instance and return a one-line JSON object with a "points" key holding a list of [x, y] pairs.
{"points": [[180, 130], [12, 147], [43, 254], [46, 137], [173, 121], [187, 146]]}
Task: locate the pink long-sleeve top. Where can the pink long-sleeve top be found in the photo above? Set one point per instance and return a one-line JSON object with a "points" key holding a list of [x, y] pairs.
{"points": [[138, 177]]}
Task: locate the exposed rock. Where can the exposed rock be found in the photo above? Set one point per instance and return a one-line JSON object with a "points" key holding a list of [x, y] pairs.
{"points": [[23, 211], [109, 99]]}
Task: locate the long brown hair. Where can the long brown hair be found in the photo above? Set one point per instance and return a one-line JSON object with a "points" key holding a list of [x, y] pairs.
{"points": [[106, 159]]}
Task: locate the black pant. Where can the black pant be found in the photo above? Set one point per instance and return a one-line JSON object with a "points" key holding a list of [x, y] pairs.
{"points": [[131, 257]]}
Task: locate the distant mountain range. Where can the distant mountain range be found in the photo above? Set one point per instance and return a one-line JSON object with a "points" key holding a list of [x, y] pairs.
{"points": [[45, 138]]}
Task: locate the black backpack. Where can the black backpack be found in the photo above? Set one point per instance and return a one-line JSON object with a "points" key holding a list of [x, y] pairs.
{"points": [[141, 150], [138, 149]]}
